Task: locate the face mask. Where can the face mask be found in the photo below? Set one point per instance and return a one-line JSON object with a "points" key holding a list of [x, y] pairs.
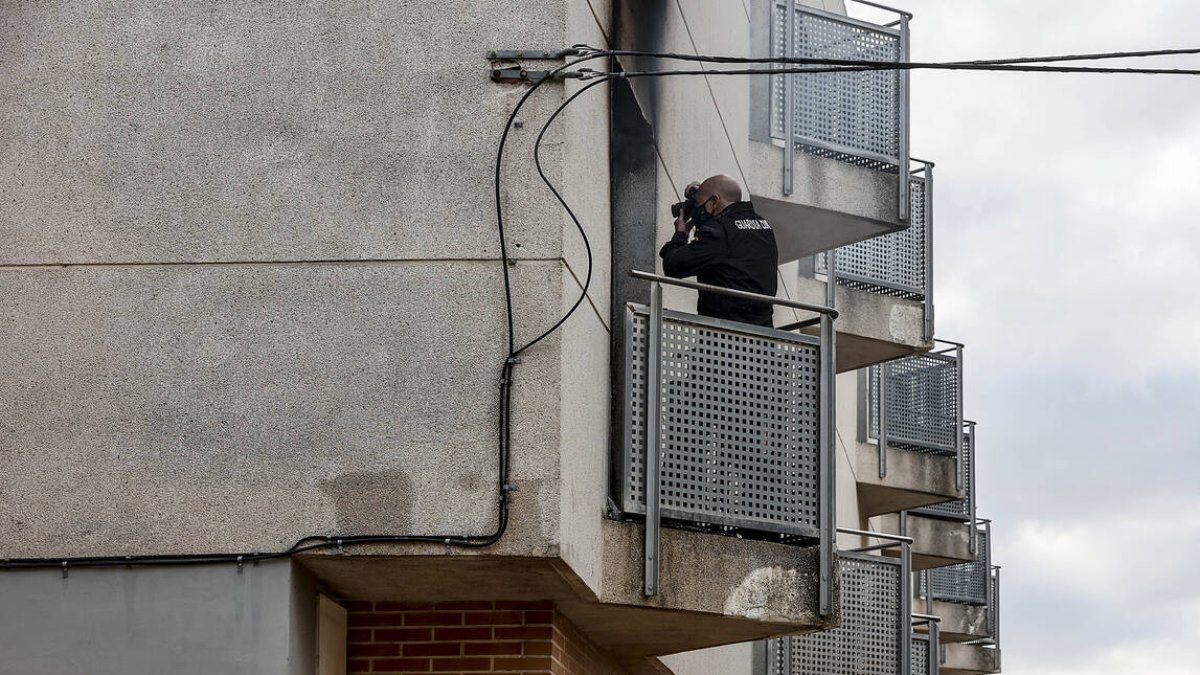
{"points": [[701, 214]]}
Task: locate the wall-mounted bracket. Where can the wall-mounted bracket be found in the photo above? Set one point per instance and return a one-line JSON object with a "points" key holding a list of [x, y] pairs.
{"points": [[518, 75], [512, 54]]}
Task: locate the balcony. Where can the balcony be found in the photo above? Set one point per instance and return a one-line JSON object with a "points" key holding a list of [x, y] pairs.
{"points": [[981, 655], [727, 430], [840, 140], [966, 595], [876, 632], [912, 436], [884, 286], [943, 534]]}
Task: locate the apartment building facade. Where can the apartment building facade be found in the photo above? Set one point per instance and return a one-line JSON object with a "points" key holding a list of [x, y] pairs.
{"points": [[282, 398]]}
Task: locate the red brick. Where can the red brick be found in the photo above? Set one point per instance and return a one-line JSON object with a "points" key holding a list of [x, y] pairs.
{"points": [[472, 633], [537, 648], [464, 604], [539, 617], [492, 648], [524, 604], [357, 605], [523, 632], [400, 665], [372, 650], [358, 635], [403, 634], [492, 618], [522, 663], [359, 620], [432, 649], [450, 665], [433, 619], [392, 606], [358, 666]]}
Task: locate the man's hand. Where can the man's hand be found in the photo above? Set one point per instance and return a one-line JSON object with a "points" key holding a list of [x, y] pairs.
{"points": [[681, 225]]}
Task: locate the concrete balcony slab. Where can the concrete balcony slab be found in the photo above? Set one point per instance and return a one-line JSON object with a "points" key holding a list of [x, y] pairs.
{"points": [[960, 623], [971, 660], [937, 542], [913, 479], [871, 327], [715, 590]]}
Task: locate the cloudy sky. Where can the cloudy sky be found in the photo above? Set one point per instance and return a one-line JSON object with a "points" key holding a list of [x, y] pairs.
{"points": [[1068, 260]]}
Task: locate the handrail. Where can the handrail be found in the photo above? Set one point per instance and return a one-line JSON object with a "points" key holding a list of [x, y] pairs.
{"points": [[898, 538], [907, 15], [734, 293]]}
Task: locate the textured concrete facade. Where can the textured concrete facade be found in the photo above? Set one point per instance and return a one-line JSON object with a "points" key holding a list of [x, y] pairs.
{"points": [[282, 313], [259, 620]]}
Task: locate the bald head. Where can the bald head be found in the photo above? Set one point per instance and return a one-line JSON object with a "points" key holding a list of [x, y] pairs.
{"points": [[724, 187]]}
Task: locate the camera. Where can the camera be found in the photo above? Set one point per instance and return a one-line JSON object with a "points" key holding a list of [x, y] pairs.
{"points": [[687, 207]]}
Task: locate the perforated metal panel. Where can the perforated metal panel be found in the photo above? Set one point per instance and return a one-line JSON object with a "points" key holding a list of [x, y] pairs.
{"points": [[892, 264], [964, 583], [959, 509], [739, 422], [854, 116], [920, 655], [923, 402], [872, 633]]}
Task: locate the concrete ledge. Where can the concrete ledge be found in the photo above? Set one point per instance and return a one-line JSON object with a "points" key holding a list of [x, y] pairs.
{"points": [[913, 479], [960, 623], [971, 660], [832, 203], [871, 328], [715, 590], [937, 542], [744, 578]]}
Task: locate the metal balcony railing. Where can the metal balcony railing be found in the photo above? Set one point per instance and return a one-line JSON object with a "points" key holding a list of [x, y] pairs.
{"points": [[859, 117], [916, 404], [961, 510], [728, 425], [969, 583], [926, 647], [876, 631], [993, 610], [898, 264]]}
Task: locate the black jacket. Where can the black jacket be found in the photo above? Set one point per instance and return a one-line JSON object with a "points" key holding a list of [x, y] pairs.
{"points": [[735, 249]]}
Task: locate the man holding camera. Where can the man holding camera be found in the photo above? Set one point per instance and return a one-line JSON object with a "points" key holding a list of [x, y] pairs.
{"points": [[731, 247]]}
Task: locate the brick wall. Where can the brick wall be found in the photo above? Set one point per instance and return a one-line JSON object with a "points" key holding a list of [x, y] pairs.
{"points": [[531, 638]]}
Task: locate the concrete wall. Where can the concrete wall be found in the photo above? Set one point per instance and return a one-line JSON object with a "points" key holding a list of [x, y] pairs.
{"points": [[731, 660], [249, 288], [184, 620]]}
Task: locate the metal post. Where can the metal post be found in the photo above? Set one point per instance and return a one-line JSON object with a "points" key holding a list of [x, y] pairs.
{"points": [[935, 648], [927, 585], [827, 518], [789, 102], [987, 556], [971, 492], [787, 656], [653, 441], [996, 610], [831, 277], [883, 419], [958, 436], [928, 305], [902, 84], [906, 629]]}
